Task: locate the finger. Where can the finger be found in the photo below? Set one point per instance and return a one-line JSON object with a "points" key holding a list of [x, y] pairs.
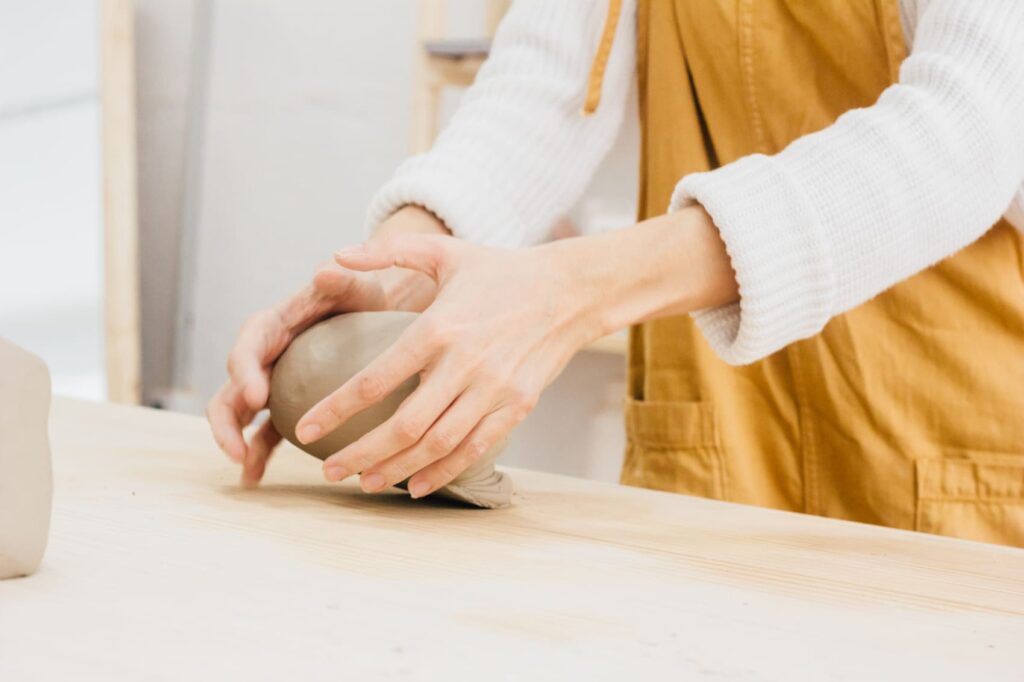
{"points": [[347, 290], [295, 314], [226, 421], [428, 254], [404, 429], [265, 336], [440, 440], [261, 447], [333, 282], [247, 362], [404, 358], [491, 430]]}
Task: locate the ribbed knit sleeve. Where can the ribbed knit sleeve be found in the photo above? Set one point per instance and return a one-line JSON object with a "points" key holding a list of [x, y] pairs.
{"points": [[518, 153], [841, 215]]}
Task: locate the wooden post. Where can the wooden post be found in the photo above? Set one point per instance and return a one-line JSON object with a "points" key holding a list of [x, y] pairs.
{"points": [[120, 210], [426, 96], [496, 10]]}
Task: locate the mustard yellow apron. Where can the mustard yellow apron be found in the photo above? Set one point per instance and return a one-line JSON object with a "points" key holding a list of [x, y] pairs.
{"points": [[907, 411]]}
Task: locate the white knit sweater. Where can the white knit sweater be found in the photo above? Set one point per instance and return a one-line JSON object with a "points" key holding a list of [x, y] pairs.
{"points": [[831, 221]]}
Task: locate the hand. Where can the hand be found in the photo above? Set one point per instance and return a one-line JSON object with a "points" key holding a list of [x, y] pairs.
{"points": [[502, 326], [266, 335], [263, 338]]}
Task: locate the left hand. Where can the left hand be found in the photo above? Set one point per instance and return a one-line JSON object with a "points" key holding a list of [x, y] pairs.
{"points": [[503, 325]]}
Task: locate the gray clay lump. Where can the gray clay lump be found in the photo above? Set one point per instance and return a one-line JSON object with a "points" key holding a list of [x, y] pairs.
{"points": [[327, 355]]}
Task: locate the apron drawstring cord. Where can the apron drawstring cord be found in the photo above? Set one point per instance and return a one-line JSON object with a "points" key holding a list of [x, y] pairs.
{"points": [[604, 48]]}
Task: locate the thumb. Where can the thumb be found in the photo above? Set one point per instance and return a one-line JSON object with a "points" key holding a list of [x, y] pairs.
{"points": [[348, 290], [429, 254]]}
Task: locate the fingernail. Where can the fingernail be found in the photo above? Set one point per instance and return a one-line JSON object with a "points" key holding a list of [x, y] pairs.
{"points": [[335, 473], [419, 489], [309, 433], [371, 483]]}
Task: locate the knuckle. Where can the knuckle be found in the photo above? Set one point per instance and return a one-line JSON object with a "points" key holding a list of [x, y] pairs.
{"points": [[448, 475], [521, 412], [436, 333], [471, 358], [332, 409], [492, 374], [361, 463], [523, 401], [231, 366], [441, 256], [215, 422], [254, 321], [370, 388], [475, 449], [441, 442], [408, 429], [387, 243], [248, 323], [398, 471]]}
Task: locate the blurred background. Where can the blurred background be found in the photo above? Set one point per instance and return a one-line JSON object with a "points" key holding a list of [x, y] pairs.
{"points": [[50, 217], [261, 130]]}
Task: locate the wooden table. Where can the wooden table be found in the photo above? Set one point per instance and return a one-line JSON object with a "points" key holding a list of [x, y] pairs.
{"points": [[160, 567]]}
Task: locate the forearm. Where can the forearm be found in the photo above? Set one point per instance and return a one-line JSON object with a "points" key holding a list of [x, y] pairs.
{"points": [[886, 191], [672, 264]]}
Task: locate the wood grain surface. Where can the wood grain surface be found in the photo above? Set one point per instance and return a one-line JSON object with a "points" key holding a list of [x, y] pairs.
{"points": [[161, 568]]}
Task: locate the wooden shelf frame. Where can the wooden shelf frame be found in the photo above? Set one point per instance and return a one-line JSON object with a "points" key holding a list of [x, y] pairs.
{"points": [[120, 203]]}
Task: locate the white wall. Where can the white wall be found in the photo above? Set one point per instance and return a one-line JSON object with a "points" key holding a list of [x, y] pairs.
{"points": [[164, 65], [51, 249], [305, 115]]}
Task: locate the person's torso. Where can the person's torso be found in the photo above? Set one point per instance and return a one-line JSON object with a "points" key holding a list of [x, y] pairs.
{"points": [[907, 411]]}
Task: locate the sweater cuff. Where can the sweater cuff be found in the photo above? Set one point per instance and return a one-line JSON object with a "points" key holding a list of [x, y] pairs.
{"points": [[1015, 215], [774, 240], [470, 208]]}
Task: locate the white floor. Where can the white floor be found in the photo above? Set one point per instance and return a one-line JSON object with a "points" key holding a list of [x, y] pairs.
{"points": [[50, 228]]}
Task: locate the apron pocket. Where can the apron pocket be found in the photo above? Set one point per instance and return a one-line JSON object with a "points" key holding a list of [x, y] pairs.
{"points": [[978, 497], [672, 446]]}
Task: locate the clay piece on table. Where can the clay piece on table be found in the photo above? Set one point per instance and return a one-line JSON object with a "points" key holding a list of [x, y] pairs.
{"points": [[26, 477], [331, 352]]}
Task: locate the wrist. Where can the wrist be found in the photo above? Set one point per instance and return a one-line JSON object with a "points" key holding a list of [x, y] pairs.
{"points": [[411, 219], [672, 264]]}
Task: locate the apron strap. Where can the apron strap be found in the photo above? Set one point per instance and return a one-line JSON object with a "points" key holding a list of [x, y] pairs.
{"points": [[604, 48]]}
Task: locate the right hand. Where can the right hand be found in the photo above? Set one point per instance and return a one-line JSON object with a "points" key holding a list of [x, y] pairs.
{"points": [[266, 335]]}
